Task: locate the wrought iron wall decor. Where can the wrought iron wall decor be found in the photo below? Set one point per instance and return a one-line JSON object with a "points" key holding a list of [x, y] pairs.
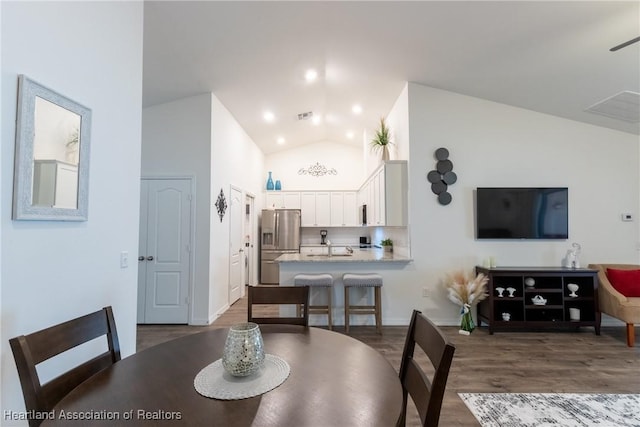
{"points": [[317, 170], [442, 176], [221, 204]]}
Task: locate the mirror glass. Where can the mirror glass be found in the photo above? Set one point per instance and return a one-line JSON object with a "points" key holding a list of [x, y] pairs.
{"points": [[52, 162]]}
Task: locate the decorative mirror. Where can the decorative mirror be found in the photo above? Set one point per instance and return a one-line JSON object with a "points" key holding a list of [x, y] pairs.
{"points": [[51, 178]]}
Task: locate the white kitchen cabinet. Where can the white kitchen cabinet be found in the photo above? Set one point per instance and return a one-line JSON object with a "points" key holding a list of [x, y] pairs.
{"points": [[308, 207], [282, 200], [291, 200], [274, 201], [323, 208], [314, 250], [387, 195], [316, 209], [350, 208], [343, 209]]}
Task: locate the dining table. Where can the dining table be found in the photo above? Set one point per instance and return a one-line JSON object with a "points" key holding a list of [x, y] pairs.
{"points": [[334, 380]]}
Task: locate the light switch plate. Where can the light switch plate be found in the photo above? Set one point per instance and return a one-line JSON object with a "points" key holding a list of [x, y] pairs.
{"points": [[124, 259]]}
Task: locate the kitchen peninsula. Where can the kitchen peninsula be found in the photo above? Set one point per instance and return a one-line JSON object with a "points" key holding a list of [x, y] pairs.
{"points": [[360, 261]]}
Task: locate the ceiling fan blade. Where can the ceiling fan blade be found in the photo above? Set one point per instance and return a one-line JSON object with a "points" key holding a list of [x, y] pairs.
{"points": [[625, 44]]}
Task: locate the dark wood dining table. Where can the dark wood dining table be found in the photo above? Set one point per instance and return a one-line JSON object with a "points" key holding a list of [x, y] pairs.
{"points": [[335, 380]]}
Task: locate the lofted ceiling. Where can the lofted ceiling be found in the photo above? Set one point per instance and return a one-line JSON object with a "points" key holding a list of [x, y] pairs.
{"points": [[551, 57]]}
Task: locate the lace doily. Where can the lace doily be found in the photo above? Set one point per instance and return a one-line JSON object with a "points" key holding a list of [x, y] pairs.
{"points": [[213, 381]]}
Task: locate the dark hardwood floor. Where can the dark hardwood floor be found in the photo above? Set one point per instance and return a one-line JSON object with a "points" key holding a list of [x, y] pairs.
{"points": [[508, 362]]}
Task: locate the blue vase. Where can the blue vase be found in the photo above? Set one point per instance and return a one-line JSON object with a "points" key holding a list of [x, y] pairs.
{"points": [[278, 185], [270, 182]]}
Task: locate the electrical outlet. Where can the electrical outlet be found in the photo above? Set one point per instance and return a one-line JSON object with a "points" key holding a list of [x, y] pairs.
{"points": [[124, 259], [425, 292], [626, 216]]}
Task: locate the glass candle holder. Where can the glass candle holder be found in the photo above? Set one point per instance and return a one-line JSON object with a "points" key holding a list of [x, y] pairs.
{"points": [[243, 350]]}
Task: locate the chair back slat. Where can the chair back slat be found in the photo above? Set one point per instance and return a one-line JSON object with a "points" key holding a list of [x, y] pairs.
{"points": [[271, 295], [30, 350], [426, 393]]}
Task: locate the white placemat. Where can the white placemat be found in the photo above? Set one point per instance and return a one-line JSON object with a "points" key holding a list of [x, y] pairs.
{"points": [[213, 381]]}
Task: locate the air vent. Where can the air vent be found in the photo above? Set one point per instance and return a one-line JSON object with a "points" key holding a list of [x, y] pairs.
{"points": [[622, 106], [305, 116]]}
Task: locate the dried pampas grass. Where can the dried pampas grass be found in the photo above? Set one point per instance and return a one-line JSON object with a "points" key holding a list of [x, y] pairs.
{"points": [[466, 289]]}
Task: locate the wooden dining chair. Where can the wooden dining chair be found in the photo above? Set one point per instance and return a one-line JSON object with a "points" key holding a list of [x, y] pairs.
{"points": [[33, 349], [271, 295], [426, 392]]}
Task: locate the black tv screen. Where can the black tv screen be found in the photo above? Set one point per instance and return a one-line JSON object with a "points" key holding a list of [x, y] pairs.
{"points": [[522, 213]]}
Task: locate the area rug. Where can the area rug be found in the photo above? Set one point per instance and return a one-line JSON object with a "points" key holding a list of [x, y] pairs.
{"points": [[554, 409]]}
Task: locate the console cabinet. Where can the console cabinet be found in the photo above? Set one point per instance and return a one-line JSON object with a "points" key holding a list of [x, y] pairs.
{"points": [[562, 308]]}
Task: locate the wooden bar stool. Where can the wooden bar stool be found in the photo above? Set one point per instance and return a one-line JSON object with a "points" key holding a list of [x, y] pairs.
{"points": [[323, 280], [370, 280]]}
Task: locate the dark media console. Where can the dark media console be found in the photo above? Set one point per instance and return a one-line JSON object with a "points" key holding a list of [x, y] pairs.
{"points": [[563, 306]]}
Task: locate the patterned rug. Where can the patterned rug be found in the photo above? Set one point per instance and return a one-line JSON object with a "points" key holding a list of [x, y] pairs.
{"points": [[554, 409]]}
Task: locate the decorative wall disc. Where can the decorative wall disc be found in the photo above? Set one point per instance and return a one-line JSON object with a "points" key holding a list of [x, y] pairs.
{"points": [[221, 205], [442, 154], [442, 176], [444, 198]]}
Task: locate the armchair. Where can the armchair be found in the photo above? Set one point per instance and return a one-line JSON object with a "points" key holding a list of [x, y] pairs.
{"points": [[613, 303]]}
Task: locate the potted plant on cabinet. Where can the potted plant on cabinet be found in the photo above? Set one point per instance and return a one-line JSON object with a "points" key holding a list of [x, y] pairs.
{"points": [[382, 140], [387, 245]]}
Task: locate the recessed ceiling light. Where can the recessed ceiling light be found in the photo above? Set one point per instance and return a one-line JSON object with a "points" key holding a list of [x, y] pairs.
{"points": [[350, 135], [311, 75], [357, 109], [316, 120], [280, 140], [269, 116]]}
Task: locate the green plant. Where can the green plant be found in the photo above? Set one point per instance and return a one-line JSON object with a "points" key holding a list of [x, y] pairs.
{"points": [[382, 138], [386, 242]]}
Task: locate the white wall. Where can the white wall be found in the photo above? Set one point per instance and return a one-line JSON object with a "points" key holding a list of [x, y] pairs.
{"points": [[345, 159], [176, 141], [492, 144], [54, 271], [197, 136], [235, 161]]}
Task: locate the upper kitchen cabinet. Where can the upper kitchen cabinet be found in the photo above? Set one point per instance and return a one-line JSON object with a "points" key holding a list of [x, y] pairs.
{"points": [[283, 200], [316, 209], [385, 194], [344, 209]]}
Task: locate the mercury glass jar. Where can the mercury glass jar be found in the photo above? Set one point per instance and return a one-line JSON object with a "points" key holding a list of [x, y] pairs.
{"points": [[244, 350]]}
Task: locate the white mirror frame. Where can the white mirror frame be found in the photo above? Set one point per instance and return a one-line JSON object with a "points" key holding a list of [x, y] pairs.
{"points": [[23, 207]]}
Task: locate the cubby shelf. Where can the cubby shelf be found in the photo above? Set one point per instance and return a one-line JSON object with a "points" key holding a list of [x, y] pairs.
{"points": [[551, 284]]}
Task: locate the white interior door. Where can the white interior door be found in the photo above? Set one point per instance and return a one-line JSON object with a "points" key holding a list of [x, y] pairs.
{"points": [[236, 245], [165, 245]]}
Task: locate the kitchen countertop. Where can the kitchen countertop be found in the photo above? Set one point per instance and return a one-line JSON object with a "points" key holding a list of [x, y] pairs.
{"points": [[359, 255]]}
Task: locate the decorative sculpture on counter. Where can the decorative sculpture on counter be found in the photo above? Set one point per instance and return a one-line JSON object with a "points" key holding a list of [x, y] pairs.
{"points": [[571, 259], [442, 176]]}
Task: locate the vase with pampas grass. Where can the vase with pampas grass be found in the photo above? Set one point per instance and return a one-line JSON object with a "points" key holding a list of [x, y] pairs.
{"points": [[466, 291]]}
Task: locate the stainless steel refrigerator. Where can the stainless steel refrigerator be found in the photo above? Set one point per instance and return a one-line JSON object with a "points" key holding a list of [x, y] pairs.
{"points": [[280, 234]]}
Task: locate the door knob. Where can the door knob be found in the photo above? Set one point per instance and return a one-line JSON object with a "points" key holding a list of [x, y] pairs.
{"points": [[140, 258], [149, 258]]}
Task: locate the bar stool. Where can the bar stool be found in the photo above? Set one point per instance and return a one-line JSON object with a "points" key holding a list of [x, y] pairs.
{"points": [[369, 280], [323, 280]]}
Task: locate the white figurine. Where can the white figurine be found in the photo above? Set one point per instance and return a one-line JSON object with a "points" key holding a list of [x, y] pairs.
{"points": [[571, 260]]}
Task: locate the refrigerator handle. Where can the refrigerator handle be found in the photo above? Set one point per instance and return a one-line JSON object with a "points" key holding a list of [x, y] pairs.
{"points": [[276, 230]]}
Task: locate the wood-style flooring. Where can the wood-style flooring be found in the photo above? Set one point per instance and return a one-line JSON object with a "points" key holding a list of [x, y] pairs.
{"points": [[506, 362]]}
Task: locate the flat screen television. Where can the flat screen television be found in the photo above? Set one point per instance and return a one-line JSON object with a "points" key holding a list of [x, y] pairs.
{"points": [[522, 213]]}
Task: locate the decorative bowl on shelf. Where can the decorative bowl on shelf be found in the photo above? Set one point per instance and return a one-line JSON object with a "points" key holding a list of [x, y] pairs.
{"points": [[538, 300], [573, 288], [511, 291], [500, 290], [530, 282]]}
